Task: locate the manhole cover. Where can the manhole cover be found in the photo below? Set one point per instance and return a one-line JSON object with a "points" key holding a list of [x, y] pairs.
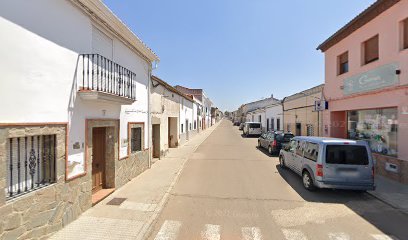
{"points": [[116, 201]]}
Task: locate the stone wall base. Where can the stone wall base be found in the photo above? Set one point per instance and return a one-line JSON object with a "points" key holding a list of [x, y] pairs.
{"points": [[400, 176]]}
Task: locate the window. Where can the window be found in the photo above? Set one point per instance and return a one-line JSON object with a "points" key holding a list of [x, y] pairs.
{"points": [[378, 127], [309, 130], [254, 125], [267, 124], [342, 63], [190, 126], [273, 124], [311, 151], [405, 34], [31, 164], [346, 154], [299, 148], [371, 50], [278, 124], [195, 124], [182, 128], [260, 118], [136, 139], [292, 146]]}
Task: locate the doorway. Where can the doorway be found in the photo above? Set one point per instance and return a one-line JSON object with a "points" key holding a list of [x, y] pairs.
{"points": [[156, 140], [298, 129], [187, 130], [98, 158]]}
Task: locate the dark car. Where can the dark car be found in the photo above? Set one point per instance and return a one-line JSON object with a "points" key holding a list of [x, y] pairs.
{"points": [[273, 141]]}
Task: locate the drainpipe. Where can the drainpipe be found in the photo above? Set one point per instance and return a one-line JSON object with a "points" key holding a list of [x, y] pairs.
{"points": [[283, 114], [149, 138]]}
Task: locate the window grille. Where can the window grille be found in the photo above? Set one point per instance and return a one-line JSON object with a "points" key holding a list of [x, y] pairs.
{"points": [[31, 164]]}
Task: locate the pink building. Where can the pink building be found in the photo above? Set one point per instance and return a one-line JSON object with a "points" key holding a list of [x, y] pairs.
{"points": [[366, 84]]}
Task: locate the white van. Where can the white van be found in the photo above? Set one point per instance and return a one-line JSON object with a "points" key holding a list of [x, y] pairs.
{"points": [[252, 128], [330, 163]]}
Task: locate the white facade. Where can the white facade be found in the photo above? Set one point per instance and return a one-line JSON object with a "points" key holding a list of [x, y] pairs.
{"points": [[186, 119], [274, 116], [40, 67]]}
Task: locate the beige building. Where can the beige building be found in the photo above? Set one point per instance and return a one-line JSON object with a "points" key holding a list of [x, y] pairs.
{"points": [[299, 115], [169, 128]]}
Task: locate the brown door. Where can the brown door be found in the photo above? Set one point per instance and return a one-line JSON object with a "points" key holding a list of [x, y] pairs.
{"points": [[98, 158], [156, 140]]}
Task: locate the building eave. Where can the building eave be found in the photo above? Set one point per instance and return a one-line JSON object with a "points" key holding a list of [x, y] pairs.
{"points": [[359, 21], [100, 13]]}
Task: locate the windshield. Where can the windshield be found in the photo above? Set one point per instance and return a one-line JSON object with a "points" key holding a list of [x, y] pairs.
{"points": [[346, 154], [255, 125], [284, 137]]}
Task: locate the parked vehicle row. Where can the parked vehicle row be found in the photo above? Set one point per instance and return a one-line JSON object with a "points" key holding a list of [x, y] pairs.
{"points": [[273, 141], [330, 163], [321, 162]]}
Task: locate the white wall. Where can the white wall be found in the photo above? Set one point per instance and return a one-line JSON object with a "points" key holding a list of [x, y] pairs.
{"points": [[186, 113], [274, 112], [38, 66]]}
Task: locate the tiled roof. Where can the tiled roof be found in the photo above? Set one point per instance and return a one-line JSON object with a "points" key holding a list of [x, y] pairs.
{"points": [[171, 88], [363, 18]]}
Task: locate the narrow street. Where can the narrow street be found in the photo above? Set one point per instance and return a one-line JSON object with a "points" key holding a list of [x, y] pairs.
{"points": [[229, 189]]}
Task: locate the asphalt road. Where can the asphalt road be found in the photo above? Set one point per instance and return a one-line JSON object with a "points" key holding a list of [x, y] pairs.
{"points": [[229, 189]]}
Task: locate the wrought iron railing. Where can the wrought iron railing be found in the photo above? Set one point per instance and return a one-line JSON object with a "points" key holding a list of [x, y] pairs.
{"points": [[98, 73], [30, 164]]}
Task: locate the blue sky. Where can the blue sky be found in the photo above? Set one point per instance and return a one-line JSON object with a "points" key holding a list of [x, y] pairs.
{"points": [[238, 50]]}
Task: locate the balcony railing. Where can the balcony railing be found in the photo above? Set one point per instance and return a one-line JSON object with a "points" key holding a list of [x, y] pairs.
{"points": [[101, 75]]}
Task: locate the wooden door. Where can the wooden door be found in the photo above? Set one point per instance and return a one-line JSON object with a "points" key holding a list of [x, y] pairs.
{"points": [[98, 158], [156, 140]]}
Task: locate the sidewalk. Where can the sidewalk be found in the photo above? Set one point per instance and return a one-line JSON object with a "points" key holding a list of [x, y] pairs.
{"points": [[129, 212], [391, 192]]}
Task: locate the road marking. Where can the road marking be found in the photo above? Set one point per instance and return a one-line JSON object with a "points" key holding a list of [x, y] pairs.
{"points": [[211, 232], [383, 237], [169, 230], [339, 236], [294, 234], [251, 233]]}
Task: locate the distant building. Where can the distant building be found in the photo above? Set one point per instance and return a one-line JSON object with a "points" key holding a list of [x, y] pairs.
{"points": [[299, 115]]}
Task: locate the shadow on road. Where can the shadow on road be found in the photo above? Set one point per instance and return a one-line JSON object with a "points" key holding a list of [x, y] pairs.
{"points": [[387, 219], [265, 151]]}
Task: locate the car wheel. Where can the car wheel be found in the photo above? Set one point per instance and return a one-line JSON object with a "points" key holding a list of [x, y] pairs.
{"points": [[282, 162], [307, 181], [270, 150]]}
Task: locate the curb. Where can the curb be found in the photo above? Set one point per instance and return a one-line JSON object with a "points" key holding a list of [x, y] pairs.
{"points": [[403, 211], [146, 229]]}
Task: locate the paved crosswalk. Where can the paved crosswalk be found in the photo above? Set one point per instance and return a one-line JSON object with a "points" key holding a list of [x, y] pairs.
{"points": [[170, 230]]}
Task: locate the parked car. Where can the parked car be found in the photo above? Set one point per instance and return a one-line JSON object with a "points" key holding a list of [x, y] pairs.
{"points": [[241, 126], [252, 128], [330, 163], [273, 141]]}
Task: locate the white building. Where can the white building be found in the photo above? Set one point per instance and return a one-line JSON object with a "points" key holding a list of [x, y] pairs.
{"points": [[75, 96], [274, 117]]}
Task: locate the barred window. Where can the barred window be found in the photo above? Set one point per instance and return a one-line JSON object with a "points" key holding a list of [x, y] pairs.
{"points": [[136, 139], [31, 164]]}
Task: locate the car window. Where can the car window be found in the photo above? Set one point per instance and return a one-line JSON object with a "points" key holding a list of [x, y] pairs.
{"points": [[299, 148], [311, 151], [346, 154], [255, 125], [284, 137], [292, 146]]}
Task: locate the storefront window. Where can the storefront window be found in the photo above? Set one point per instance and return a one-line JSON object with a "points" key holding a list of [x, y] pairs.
{"points": [[379, 127]]}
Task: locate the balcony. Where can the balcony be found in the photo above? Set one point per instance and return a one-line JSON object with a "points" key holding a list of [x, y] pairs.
{"points": [[101, 79]]}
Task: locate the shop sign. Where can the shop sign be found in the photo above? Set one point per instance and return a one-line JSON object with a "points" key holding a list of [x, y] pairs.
{"points": [[383, 76]]}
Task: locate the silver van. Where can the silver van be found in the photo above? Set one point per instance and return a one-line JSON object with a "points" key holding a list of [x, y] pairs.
{"points": [[330, 163], [252, 128]]}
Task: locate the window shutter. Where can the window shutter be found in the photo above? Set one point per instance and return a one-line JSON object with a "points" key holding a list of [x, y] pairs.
{"points": [[405, 30], [371, 51]]}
